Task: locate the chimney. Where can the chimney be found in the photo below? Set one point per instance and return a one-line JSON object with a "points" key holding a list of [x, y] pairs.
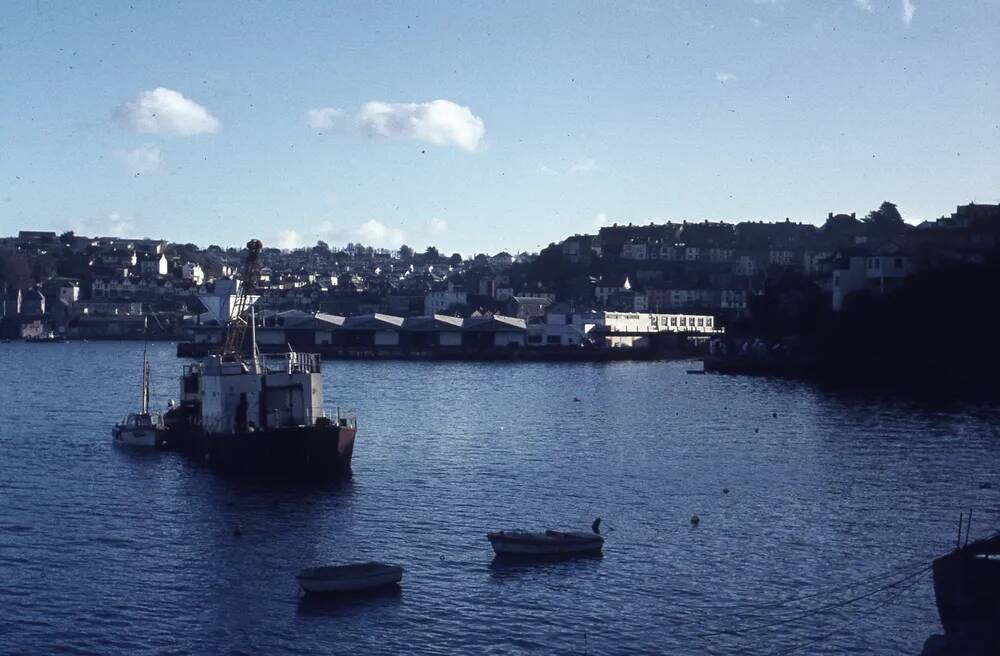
{"points": [[830, 215], [852, 215]]}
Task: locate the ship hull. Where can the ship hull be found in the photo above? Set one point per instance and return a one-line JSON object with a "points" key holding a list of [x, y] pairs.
{"points": [[967, 591], [300, 451]]}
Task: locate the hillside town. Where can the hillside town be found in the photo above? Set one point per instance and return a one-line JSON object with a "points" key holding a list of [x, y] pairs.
{"points": [[696, 277]]}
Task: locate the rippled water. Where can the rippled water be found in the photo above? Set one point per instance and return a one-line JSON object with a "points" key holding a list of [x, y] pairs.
{"points": [[108, 550]]}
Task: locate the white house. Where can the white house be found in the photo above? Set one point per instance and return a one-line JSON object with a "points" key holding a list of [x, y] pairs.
{"points": [[439, 302], [849, 275], [886, 272], [193, 272], [153, 265]]}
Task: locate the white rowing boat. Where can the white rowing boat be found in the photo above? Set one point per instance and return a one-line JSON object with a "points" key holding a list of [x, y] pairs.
{"points": [[549, 543], [349, 578]]}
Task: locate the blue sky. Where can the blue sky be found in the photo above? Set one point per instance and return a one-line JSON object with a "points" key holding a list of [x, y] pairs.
{"points": [[191, 121]]}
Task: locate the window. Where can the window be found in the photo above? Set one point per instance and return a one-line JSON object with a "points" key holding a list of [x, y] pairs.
{"points": [[899, 263], [553, 339]]}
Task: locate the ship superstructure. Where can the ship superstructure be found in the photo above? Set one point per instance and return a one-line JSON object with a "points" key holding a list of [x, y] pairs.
{"points": [[248, 413]]}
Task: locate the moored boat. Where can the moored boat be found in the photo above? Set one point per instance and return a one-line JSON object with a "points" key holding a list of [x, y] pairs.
{"points": [[967, 588], [138, 429], [357, 577], [141, 428], [545, 544], [246, 413]]}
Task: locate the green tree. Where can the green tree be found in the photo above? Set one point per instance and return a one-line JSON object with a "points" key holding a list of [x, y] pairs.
{"points": [[884, 222], [14, 270], [405, 253]]}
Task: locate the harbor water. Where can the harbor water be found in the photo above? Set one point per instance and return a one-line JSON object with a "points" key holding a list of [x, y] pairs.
{"points": [[828, 496]]}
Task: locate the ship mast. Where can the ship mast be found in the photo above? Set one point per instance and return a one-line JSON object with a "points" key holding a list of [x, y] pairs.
{"points": [[236, 323], [145, 366], [145, 383]]}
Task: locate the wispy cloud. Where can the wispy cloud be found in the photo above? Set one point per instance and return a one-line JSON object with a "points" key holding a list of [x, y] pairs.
{"points": [[436, 226], [586, 165], [756, 22], [724, 77], [865, 5], [908, 10], [144, 159], [545, 169], [439, 122], [322, 119], [165, 111], [601, 220]]}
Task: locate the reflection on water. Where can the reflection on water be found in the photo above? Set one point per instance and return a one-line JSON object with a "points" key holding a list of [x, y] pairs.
{"points": [[120, 551]]}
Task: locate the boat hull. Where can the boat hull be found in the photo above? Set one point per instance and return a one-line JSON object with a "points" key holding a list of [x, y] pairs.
{"points": [[307, 451], [340, 580], [544, 545], [967, 591], [148, 437]]}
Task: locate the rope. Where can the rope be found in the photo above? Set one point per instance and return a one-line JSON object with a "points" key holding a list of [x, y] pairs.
{"points": [[817, 610], [842, 625], [783, 602]]}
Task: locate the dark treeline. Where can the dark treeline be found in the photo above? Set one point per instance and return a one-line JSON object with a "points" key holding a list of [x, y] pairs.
{"points": [[941, 326]]}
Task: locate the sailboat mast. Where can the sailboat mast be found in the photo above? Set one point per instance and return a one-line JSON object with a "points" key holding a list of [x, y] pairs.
{"points": [[145, 365], [145, 383]]}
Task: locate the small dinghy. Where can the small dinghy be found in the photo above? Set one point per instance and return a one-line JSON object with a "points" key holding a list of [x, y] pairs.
{"points": [[333, 579], [548, 544]]}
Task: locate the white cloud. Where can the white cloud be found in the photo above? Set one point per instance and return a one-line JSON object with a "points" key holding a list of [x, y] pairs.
{"points": [[545, 169], [323, 118], [289, 239], [164, 111], [440, 122], [587, 165], [111, 225], [601, 220], [370, 233], [865, 5], [144, 159], [437, 226], [908, 10], [375, 233], [756, 22], [724, 77]]}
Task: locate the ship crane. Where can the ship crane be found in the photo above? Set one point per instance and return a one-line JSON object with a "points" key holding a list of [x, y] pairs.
{"points": [[236, 324]]}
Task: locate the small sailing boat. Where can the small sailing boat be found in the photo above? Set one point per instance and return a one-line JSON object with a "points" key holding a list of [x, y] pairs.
{"points": [[142, 428]]}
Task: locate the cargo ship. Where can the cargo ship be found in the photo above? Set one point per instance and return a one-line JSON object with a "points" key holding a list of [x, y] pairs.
{"points": [[245, 413]]}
